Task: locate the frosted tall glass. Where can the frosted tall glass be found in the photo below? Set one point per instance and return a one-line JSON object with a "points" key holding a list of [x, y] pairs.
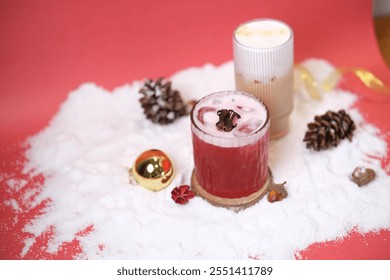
{"points": [[263, 62]]}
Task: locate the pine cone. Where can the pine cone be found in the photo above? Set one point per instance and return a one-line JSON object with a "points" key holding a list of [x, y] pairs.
{"points": [[327, 130], [160, 102]]}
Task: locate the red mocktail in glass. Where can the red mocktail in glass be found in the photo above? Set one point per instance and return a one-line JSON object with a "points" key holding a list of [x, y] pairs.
{"points": [[230, 164]]}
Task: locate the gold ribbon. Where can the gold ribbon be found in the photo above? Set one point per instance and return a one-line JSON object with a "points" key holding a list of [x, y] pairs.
{"points": [[330, 82], [309, 82]]}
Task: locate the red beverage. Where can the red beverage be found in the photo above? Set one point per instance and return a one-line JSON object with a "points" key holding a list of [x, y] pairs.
{"points": [[230, 164]]}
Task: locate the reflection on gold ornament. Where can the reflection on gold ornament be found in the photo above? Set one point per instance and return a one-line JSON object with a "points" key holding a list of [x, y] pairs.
{"points": [[153, 170]]}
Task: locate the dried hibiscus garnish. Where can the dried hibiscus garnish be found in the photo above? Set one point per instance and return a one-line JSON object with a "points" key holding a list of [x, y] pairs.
{"points": [[182, 194], [227, 120]]}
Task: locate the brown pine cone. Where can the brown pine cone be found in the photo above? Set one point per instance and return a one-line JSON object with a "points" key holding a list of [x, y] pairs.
{"points": [[160, 102], [327, 130]]}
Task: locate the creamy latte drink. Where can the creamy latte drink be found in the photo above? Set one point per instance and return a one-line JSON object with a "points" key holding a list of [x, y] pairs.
{"points": [[263, 62]]}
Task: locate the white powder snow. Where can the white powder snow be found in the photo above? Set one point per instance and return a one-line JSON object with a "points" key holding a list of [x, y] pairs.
{"points": [[87, 149]]}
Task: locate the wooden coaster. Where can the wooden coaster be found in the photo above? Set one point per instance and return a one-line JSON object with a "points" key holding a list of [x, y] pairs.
{"points": [[235, 204]]}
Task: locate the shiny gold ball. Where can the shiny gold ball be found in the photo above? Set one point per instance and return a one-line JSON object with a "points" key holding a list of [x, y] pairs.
{"points": [[153, 170]]}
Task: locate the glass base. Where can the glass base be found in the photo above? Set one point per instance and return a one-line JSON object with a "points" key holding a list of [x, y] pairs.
{"points": [[235, 204]]}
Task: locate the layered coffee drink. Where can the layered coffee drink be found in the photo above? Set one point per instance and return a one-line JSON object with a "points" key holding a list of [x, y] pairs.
{"points": [[263, 62]]}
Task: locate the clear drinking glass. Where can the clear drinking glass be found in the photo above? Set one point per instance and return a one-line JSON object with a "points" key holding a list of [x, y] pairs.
{"points": [[231, 168], [263, 62]]}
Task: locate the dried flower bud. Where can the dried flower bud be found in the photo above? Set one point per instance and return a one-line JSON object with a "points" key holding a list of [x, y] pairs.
{"points": [[277, 192], [182, 194], [227, 120], [274, 196]]}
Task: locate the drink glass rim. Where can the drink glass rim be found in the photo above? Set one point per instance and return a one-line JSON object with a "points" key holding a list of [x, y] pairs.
{"points": [[250, 135], [267, 48]]}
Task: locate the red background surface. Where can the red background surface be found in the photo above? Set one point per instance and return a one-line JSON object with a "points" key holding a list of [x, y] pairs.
{"points": [[49, 48]]}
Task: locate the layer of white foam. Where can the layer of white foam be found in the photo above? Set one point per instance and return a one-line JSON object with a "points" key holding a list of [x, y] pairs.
{"points": [[265, 33], [253, 115], [263, 50]]}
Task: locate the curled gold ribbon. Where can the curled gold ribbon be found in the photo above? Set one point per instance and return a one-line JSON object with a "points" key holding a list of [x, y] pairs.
{"points": [[314, 89], [332, 80], [309, 82]]}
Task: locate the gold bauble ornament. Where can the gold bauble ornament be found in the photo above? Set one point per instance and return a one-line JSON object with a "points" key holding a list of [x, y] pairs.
{"points": [[153, 170]]}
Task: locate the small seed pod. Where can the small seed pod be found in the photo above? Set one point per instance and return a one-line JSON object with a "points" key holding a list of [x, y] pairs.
{"points": [[362, 176], [277, 192]]}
